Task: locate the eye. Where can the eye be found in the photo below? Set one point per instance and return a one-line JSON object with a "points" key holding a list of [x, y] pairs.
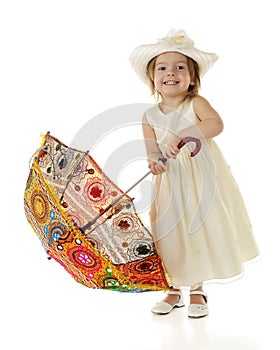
{"points": [[180, 67], [161, 68]]}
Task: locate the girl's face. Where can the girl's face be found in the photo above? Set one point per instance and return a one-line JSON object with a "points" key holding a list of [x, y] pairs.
{"points": [[171, 75]]}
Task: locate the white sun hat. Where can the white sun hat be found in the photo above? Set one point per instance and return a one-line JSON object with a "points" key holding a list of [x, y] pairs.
{"points": [[175, 41]]}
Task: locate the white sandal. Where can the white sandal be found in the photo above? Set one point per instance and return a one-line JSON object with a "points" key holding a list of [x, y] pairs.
{"points": [[163, 308], [198, 310]]}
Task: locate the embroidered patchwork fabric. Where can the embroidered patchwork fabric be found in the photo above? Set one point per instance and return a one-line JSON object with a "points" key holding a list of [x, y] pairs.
{"points": [[66, 190]]}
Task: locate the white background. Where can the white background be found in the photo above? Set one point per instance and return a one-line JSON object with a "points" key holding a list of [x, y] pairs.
{"points": [[62, 63]]}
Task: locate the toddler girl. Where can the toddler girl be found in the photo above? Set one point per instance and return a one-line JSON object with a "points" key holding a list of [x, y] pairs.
{"points": [[198, 218]]}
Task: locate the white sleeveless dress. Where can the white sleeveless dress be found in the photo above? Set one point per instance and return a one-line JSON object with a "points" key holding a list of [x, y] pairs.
{"points": [[198, 218]]}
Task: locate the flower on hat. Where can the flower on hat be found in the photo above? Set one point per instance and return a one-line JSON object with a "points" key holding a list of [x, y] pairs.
{"points": [[178, 38]]}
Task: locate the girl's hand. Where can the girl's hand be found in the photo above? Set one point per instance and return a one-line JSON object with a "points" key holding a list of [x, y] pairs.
{"points": [[172, 149], [157, 168]]}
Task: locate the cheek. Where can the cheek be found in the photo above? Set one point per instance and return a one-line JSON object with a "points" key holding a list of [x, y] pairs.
{"points": [[186, 78], [157, 81]]}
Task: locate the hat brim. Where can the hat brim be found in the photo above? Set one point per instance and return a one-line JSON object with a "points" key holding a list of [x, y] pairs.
{"points": [[143, 54]]}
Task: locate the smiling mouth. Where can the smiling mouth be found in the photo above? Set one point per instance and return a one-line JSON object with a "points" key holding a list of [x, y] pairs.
{"points": [[171, 82]]}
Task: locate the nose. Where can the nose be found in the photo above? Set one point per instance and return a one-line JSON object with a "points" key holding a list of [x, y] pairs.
{"points": [[170, 73]]}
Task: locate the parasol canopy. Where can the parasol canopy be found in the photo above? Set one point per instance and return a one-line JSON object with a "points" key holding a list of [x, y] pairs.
{"points": [[66, 201]]}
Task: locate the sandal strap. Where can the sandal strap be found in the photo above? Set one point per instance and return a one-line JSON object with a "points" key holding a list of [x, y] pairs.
{"points": [[199, 292], [174, 292]]}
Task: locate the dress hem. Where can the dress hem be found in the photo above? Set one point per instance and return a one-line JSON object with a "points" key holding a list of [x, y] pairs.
{"points": [[219, 280]]}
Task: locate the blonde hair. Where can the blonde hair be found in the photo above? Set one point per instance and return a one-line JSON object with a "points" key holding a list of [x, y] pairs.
{"points": [[194, 74]]}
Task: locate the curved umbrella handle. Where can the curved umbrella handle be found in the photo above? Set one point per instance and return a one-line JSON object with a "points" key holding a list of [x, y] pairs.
{"points": [[182, 144], [191, 139]]}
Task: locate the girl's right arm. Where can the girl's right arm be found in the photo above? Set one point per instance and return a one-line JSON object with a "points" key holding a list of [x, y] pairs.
{"points": [[153, 152]]}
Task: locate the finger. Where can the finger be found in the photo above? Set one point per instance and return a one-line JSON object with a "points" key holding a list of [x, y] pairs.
{"points": [[162, 164], [174, 149], [170, 154], [166, 154], [153, 167], [158, 168]]}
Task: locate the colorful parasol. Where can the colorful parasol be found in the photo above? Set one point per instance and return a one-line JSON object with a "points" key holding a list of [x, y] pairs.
{"points": [[88, 224], [65, 191]]}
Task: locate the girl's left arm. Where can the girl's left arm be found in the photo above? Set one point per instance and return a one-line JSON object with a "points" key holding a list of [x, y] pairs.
{"points": [[210, 124]]}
